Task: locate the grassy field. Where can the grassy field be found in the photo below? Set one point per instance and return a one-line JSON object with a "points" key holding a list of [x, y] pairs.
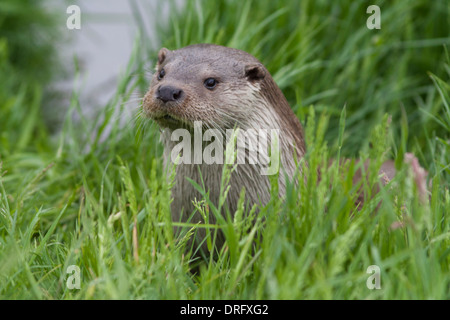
{"points": [[94, 194]]}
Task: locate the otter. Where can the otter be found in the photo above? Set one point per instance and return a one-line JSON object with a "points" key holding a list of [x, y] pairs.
{"points": [[222, 88]]}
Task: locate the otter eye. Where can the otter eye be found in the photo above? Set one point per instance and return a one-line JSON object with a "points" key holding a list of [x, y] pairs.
{"points": [[210, 83], [161, 74]]}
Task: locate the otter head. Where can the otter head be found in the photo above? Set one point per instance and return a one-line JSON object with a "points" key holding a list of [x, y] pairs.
{"points": [[209, 83]]}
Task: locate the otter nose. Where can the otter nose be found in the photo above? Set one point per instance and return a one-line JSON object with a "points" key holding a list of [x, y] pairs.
{"points": [[169, 93]]}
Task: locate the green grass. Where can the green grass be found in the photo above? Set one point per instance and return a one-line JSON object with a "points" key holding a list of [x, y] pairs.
{"points": [[103, 204]]}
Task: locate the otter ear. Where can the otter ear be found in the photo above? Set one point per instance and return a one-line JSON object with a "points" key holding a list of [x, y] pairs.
{"points": [[163, 53], [255, 72]]}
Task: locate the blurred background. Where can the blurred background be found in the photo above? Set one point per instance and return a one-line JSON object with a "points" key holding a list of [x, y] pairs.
{"points": [[319, 53]]}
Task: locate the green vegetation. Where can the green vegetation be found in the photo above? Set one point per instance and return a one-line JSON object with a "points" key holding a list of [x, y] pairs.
{"points": [[103, 204]]}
